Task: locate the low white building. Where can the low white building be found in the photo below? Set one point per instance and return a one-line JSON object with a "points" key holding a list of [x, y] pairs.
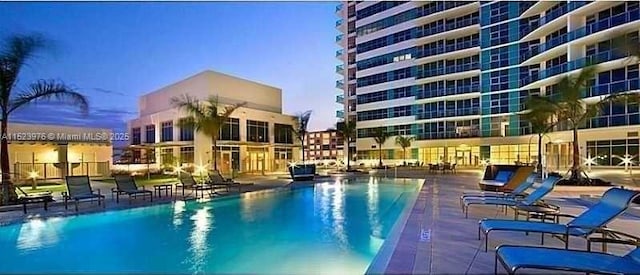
{"points": [[43, 151], [256, 139]]}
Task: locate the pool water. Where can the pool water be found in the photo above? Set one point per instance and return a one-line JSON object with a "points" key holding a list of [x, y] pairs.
{"points": [[333, 227]]}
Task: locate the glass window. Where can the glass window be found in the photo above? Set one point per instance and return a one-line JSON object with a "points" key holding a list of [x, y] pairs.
{"points": [[135, 135], [150, 133], [186, 132], [257, 131], [167, 131], [230, 130], [166, 156], [187, 155], [283, 134]]}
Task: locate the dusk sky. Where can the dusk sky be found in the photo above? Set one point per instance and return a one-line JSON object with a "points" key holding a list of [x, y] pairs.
{"points": [[115, 52]]}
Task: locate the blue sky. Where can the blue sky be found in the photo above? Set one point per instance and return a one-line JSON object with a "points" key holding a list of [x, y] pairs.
{"points": [[114, 52]]}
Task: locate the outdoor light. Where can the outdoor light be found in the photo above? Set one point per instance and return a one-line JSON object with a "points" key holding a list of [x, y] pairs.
{"points": [[292, 165], [33, 174], [201, 169]]}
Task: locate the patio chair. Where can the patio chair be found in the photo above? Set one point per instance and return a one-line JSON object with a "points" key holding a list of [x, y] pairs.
{"points": [[514, 258], [535, 198], [188, 182], [79, 189], [613, 203], [216, 180], [40, 197], [125, 184], [519, 191]]}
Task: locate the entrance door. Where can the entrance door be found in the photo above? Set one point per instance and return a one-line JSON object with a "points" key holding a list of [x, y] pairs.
{"points": [[225, 163]]}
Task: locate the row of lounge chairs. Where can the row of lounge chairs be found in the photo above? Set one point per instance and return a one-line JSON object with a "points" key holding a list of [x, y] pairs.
{"points": [[589, 223]]}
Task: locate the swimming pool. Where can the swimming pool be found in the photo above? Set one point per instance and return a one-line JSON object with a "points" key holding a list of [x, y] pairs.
{"points": [[333, 227]]}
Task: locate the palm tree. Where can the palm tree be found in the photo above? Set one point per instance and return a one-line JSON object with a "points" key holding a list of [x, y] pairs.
{"points": [[206, 117], [380, 135], [404, 142], [570, 109], [300, 129], [15, 55], [348, 131], [540, 116]]}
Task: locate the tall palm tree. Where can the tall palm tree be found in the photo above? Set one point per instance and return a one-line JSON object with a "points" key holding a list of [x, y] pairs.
{"points": [[540, 116], [206, 117], [380, 136], [571, 110], [15, 54], [348, 131], [404, 142], [300, 129]]}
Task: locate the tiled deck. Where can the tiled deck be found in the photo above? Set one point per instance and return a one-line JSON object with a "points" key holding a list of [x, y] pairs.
{"points": [[437, 239]]}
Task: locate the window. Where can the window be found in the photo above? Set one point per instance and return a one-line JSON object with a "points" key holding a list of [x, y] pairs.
{"points": [[186, 131], [257, 131], [186, 154], [150, 133], [167, 131], [230, 130], [282, 133], [166, 156], [135, 135]]}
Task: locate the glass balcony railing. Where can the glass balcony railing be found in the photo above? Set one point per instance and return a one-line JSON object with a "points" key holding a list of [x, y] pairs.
{"points": [[613, 87], [339, 53], [449, 113], [440, 6], [463, 89], [447, 48], [339, 84], [340, 99], [595, 59], [340, 114], [604, 24], [550, 16], [550, 44], [422, 32], [339, 7], [338, 23], [448, 134], [340, 69], [448, 70], [551, 71], [339, 38]]}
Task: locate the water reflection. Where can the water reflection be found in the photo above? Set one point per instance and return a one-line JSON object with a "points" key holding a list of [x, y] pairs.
{"points": [[332, 213], [37, 233], [178, 208], [202, 224], [372, 207]]}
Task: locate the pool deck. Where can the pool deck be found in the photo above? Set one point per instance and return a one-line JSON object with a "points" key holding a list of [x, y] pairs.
{"points": [[437, 239]]}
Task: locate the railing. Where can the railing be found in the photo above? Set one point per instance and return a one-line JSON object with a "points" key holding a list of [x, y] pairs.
{"points": [[24, 171], [449, 113], [339, 38], [338, 23], [441, 6], [604, 24], [339, 53], [463, 89], [595, 59], [447, 48], [339, 84], [422, 32], [448, 134], [339, 7], [340, 69], [448, 70], [340, 114], [613, 87], [340, 99], [554, 15]]}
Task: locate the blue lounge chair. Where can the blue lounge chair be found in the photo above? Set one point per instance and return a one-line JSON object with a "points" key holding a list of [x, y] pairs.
{"points": [[613, 203], [519, 191], [126, 185], [532, 199], [514, 258], [79, 189]]}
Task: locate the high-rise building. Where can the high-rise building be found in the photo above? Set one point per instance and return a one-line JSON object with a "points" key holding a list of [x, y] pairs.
{"points": [[456, 76], [324, 145]]}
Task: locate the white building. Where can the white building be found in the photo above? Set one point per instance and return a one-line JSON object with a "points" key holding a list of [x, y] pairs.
{"points": [[256, 139]]}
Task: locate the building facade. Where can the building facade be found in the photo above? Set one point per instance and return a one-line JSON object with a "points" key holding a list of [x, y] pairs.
{"points": [[257, 138], [323, 146], [456, 76], [48, 152]]}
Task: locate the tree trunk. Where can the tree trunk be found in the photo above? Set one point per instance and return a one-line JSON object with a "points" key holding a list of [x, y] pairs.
{"points": [[348, 156], [302, 142], [380, 155], [8, 192], [575, 168], [215, 153], [539, 166], [404, 156]]}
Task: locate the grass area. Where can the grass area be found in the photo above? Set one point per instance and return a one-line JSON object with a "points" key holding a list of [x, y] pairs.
{"points": [[51, 187], [145, 181]]}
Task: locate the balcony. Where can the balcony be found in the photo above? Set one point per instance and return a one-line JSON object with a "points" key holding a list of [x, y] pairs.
{"points": [[457, 90], [449, 113], [447, 48], [448, 70], [339, 38], [605, 24], [448, 134], [440, 6], [340, 99], [595, 59], [339, 8], [555, 70], [422, 32], [339, 54], [340, 69], [340, 114], [613, 87], [339, 23], [340, 84]]}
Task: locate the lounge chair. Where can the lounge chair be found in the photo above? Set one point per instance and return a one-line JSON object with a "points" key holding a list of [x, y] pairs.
{"points": [[79, 189], [216, 180], [126, 185], [519, 191], [24, 198], [532, 199], [188, 182], [613, 203], [514, 258]]}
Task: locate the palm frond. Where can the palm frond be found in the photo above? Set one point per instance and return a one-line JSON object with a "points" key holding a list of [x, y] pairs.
{"points": [[404, 141], [380, 135], [46, 90]]}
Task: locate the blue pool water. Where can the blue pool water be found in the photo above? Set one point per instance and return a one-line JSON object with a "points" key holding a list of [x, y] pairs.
{"points": [[334, 227]]}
